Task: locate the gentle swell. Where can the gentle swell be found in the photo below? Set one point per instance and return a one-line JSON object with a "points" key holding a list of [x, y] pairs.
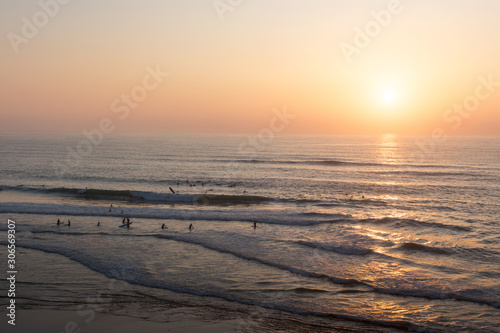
{"points": [[337, 248], [423, 248], [392, 291], [144, 196], [416, 224]]}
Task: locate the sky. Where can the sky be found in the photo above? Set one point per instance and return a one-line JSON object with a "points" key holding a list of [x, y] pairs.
{"points": [[362, 67]]}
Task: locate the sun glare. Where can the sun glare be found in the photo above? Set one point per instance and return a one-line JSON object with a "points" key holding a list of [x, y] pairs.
{"points": [[389, 96]]}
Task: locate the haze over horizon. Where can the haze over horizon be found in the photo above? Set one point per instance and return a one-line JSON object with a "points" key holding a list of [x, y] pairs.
{"points": [[402, 67]]}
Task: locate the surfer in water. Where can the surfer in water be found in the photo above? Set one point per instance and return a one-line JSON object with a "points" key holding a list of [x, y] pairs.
{"points": [[98, 223], [191, 227], [58, 222], [123, 221], [255, 225], [128, 220], [69, 223], [163, 226]]}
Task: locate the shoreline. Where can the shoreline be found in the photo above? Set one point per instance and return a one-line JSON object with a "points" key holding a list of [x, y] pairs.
{"points": [[88, 303], [178, 320], [69, 321]]}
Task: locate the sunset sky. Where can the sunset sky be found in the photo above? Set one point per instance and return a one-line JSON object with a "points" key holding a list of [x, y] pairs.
{"points": [[226, 75]]}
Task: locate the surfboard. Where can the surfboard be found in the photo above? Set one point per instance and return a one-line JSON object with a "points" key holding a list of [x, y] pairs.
{"points": [[124, 225]]}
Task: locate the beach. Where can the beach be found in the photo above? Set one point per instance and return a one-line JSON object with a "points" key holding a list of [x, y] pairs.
{"points": [[344, 234]]}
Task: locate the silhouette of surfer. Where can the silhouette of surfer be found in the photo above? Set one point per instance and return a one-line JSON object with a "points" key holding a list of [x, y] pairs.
{"points": [[98, 223], [58, 222], [163, 226], [191, 227], [255, 225], [69, 223]]}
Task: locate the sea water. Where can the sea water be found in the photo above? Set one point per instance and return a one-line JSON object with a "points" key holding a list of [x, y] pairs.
{"points": [[389, 231]]}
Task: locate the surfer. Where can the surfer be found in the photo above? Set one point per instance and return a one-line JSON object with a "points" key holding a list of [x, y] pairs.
{"points": [[255, 225], [58, 222], [128, 220], [123, 221], [163, 226], [98, 223], [191, 227], [69, 223]]}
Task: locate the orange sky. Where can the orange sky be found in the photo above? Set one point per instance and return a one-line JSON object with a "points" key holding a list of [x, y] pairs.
{"points": [[422, 59]]}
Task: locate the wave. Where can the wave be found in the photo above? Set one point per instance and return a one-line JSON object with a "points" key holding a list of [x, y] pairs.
{"points": [[310, 162], [332, 162], [409, 246], [147, 197], [242, 255], [235, 214], [308, 290], [135, 279], [431, 173], [242, 214], [398, 222], [337, 248], [462, 295]]}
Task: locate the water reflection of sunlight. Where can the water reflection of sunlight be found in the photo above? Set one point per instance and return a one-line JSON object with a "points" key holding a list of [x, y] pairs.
{"points": [[387, 153]]}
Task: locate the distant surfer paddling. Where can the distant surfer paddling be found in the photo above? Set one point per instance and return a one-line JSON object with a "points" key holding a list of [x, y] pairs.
{"points": [[163, 226], [191, 227]]}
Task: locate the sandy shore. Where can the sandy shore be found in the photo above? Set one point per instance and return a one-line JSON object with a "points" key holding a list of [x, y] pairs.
{"points": [[29, 321], [178, 321]]}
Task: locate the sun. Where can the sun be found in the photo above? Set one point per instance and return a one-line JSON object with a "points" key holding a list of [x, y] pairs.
{"points": [[389, 96]]}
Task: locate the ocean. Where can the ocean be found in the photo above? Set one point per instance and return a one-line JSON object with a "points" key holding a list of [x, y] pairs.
{"points": [[374, 233]]}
